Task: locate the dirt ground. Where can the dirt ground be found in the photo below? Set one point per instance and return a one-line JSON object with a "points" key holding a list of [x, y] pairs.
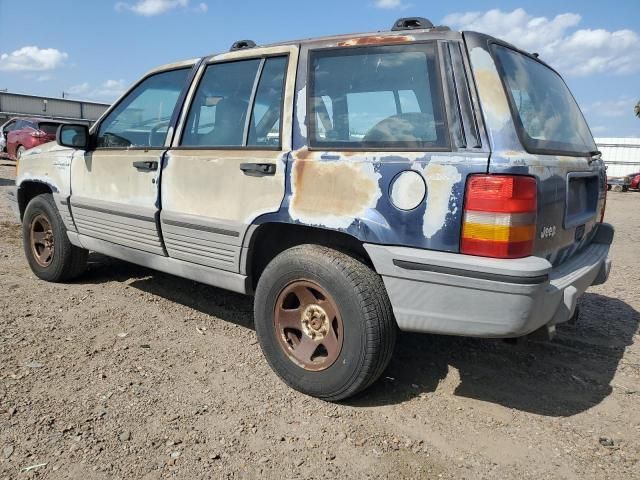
{"points": [[129, 373]]}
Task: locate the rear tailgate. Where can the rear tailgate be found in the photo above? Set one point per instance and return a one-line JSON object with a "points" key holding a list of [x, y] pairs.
{"points": [[571, 197], [536, 128]]}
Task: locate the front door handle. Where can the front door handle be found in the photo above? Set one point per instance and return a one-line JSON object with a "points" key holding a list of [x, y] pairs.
{"points": [[146, 165], [258, 168]]}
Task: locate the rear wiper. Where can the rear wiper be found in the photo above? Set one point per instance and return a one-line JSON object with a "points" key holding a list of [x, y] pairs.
{"points": [[595, 155]]}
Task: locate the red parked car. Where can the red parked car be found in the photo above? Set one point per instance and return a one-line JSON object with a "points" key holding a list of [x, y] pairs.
{"points": [[635, 181], [28, 133]]}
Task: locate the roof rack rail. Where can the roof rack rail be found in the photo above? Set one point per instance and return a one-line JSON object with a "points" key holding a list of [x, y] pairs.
{"points": [[411, 23], [242, 44]]}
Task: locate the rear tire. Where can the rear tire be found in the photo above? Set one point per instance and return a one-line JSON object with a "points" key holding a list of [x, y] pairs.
{"points": [[354, 301], [49, 252], [20, 151]]}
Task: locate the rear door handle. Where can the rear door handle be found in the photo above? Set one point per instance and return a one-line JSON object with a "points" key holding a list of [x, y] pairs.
{"points": [[258, 168], [146, 165]]}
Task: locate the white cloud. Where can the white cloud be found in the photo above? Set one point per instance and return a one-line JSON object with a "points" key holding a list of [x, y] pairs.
{"points": [[109, 90], [78, 89], [578, 52], [32, 58], [622, 107], [201, 8], [390, 4], [150, 8]]}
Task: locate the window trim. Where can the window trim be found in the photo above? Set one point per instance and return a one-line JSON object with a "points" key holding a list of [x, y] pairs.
{"points": [[96, 128], [310, 119], [525, 139], [245, 134]]}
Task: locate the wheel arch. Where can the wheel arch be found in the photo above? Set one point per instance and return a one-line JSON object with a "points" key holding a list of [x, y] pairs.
{"points": [[29, 189], [264, 242]]}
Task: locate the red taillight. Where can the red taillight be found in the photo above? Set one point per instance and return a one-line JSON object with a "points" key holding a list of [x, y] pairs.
{"points": [[38, 134], [499, 216]]}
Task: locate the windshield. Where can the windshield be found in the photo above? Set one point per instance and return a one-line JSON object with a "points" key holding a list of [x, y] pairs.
{"points": [[548, 116]]}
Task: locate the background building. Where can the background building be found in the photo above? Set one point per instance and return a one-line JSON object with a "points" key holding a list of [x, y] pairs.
{"points": [[19, 105], [621, 155]]}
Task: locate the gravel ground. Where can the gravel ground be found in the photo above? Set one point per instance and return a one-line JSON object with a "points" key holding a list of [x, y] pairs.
{"points": [[129, 373]]}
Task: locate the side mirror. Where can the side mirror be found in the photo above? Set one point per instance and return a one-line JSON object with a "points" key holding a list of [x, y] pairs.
{"points": [[73, 135]]}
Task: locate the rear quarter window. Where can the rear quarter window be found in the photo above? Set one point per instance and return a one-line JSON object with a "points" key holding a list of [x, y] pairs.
{"points": [[546, 115], [377, 98]]}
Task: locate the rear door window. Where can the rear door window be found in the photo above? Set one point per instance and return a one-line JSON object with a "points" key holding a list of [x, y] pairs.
{"points": [[383, 97], [227, 95], [218, 113], [546, 115], [264, 127]]}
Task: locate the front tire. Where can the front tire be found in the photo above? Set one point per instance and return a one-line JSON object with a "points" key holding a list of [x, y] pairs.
{"points": [[324, 322], [49, 252]]}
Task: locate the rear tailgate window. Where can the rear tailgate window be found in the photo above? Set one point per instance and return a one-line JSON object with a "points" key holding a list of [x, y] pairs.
{"points": [[547, 116]]}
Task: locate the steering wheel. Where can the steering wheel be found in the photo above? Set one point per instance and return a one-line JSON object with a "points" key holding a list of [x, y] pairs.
{"points": [[154, 130]]}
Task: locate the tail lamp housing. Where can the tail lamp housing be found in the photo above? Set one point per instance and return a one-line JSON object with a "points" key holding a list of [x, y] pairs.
{"points": [[499, 216], [38, 134]]}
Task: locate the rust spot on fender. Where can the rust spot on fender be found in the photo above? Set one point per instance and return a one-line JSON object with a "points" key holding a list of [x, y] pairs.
{"points": [[376, 40], [332, 194]]}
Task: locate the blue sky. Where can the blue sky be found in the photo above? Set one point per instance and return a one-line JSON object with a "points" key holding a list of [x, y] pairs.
{"points": [[94, 49]]}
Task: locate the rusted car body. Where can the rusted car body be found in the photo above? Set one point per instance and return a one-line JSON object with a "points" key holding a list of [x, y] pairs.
{"points": [[220, 215]]}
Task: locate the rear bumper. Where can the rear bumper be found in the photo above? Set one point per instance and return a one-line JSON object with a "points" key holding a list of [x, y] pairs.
{"points": [[457, 294]]}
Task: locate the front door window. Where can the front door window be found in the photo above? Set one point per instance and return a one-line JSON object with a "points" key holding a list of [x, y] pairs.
{"points": [[142, 118]]}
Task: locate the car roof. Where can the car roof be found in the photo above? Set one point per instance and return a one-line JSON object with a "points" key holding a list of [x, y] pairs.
{"points": [[36, 119], [342, 40], [370, 38]]}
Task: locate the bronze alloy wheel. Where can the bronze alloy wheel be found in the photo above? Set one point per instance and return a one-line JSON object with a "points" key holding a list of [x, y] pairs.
{"points": [[41, 239], [308, 325]]}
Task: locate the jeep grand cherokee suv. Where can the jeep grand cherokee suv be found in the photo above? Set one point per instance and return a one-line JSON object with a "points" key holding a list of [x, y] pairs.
{"points": [[420, 179]]}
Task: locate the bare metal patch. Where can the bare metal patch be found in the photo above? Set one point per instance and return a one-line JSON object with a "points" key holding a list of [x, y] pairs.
{"points": [[492, 94], [301, 112], [332, 194], [440, 180]]}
